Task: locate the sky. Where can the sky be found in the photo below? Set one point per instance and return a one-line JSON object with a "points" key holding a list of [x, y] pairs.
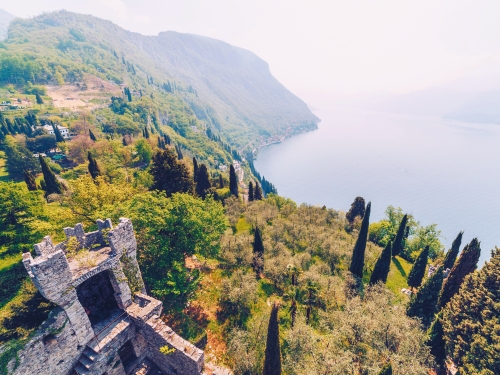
{"points": [[334, 46]]}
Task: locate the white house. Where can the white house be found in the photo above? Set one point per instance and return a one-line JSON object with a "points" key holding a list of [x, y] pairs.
{"points": [[63, 130]]}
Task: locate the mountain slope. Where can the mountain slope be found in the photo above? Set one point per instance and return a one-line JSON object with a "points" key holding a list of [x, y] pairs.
{"points": [[5, 19], [234, 89]]}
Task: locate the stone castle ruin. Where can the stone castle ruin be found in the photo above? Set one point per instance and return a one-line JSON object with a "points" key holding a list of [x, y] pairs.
{"points": [[105, 323]]}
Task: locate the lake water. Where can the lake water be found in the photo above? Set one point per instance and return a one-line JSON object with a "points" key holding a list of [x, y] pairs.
{"points": [[441, 171]]}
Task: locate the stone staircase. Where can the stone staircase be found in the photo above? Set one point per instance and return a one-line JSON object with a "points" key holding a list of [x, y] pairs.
{"points": [[85, 361]]}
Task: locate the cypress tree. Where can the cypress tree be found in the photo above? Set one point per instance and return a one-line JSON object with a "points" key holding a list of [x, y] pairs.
{"points": [[52, 185], [272, 359], [30, 180], [435, 340], [257, 194], [451, 255], [92, 136], [382, 267], [418, 270], [195, 168], [250, 191], [39, 99], [233, 181], [357, 209], [258, 252], [94, 169], [358, 254], [57, 133], [398, 241], [423, 305], [221, 182], [467, 263], [386, 370], [146, 133], [202, 182], [170, 175], [129, 95]]}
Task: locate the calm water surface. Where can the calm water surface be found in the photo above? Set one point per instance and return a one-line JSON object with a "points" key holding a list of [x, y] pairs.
{"points": [[441, 171]]}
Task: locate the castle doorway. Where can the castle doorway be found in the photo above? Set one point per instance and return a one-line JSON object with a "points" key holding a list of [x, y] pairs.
{"points": [[97, 297], [127, 355]]}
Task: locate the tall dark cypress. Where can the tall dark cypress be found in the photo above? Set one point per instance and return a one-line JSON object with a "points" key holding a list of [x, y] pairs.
{"points": [[358, 254], [257, 194], [146, 133], [452, 254], [92, 136], [233, 181], [202, 182], [195, 168], [52, 185], [258, 252], [221, 182], [417, 272], [467, 263], [30, 180], [250, 191], [129, 95], [272, 359], [398, 241], [423, 305], [382, 266], [435, 340], [94, 169], [386, 370], [57, 133]]}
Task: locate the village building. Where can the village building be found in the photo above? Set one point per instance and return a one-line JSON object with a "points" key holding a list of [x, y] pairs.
{"points": [[63, 130]]}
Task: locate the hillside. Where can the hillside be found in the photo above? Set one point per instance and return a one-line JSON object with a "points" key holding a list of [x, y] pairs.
{"points": [[5, 19], [233, 89]]}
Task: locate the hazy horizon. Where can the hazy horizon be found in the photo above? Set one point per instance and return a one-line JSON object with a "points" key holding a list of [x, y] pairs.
{"points": [[338, 48]]}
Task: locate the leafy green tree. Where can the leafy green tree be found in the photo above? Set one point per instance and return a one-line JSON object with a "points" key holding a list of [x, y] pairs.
{"points": [[417, 272], [52, 185], [382, 266], [272, 359], [386, 370], [22, 216], [258, 252], [357, 209], [398, 241], [57, 133], [250, 192], [94, 169], [144, 150], [257, 194], [466, 264], [168, 230], [470, 320], [19, 159], [30, 180], [358, 254], [41, 143], [170, 175], [423, 305], [233, 181], [452, 254], [92, 136], [203, 185]]}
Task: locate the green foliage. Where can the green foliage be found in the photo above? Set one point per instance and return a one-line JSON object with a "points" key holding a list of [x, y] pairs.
{"points": [[250, 192], [203, 186], [423, 305], [144, 150], [465, 265], [19, 159], [386, 370], [418, 270], [398, 240], [52, 185], [233, 181], [258, 252], [357, 210], [470, 321], [94, 169], [358, 253], [436, 340]]}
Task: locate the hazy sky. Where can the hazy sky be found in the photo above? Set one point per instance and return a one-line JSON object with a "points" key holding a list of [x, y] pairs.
{"points": [[342, 46]]}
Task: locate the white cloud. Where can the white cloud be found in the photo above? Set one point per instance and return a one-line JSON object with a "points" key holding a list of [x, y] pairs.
{"points": [[117, 6]]}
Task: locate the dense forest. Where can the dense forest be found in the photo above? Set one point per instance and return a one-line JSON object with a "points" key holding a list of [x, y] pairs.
{"points": [[272, 287]]}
